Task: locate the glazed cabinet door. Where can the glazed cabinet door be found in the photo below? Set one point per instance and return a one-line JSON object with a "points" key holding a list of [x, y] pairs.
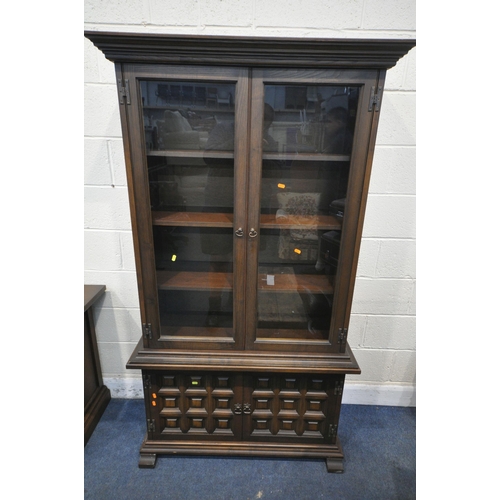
{"points": [[310, 137], [188, 171]]}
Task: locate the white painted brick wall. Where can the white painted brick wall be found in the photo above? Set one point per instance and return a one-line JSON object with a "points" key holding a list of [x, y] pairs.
{"points": [[383, 327], [106, 208]]}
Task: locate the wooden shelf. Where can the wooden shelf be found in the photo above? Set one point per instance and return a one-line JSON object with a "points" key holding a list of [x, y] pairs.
{"points": [[192, 219], [287, 334], [305, 157], [270, 221], [188, 332], [191, 153], [205, 282], [267, 221], [296, 283], [194, 281], [200, 153], [192, 107]]}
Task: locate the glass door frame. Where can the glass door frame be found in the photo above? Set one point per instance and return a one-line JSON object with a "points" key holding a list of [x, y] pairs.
{"points": [[363, 137], [142, 222]]}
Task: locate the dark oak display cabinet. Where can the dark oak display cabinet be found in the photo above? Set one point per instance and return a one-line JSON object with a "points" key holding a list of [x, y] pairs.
{"points": [[248, 163]]}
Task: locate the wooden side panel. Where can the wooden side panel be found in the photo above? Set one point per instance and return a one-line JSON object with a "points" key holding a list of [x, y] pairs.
{"points": [[363, 198], [96, 394]]}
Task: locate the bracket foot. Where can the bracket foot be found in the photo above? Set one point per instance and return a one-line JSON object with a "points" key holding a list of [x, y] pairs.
{"points": [[335, 465], [147, 460]]}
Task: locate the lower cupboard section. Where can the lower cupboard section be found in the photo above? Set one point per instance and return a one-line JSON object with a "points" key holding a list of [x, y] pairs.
{"points": [[273, 414]]}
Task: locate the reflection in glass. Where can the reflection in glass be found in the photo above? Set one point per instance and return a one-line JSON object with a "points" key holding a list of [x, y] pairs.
{"points": [[189, 131], [304, 186], [181, 115], [317, 119]]}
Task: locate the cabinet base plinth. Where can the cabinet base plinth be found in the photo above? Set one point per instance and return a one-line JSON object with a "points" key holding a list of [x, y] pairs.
{"points": [[332, 453]]}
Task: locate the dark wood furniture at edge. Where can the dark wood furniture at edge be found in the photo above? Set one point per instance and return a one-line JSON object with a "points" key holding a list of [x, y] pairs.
{"points": [[97, 395], [247, 395]]}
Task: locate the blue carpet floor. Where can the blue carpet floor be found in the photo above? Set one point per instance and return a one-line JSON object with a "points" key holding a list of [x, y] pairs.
{"points": [[378, 444]]}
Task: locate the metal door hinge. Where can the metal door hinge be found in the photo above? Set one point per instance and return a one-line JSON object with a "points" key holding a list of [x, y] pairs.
{"points": [[146, 331], [151, 425], [338, 387], [123, 91], [375, 98], [342, 335], [147, 381], [332, 431]]}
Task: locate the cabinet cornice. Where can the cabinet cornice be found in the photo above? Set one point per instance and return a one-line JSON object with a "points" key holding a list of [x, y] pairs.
{"points": [[250, 51]]}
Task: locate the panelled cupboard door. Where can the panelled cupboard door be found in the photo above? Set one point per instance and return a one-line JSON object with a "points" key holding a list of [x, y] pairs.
{"points": [[291, 407], [305, 191], [188, 145], [286, 408], [190, 406]]}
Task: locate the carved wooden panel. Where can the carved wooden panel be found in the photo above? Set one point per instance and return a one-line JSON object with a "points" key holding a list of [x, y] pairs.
{"points": [[252, 407], [296, 407], [185, 406]]}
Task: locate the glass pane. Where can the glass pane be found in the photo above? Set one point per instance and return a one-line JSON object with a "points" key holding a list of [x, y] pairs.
{"points": [[189, 132], [305, 173]]}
